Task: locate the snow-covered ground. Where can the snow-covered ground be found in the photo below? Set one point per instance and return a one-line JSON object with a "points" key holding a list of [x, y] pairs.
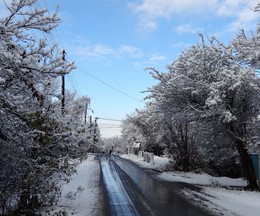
{"points": [[82, 196], [159, 162], [221, 195]]}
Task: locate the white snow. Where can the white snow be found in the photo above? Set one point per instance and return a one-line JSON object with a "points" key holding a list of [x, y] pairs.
{"points": [[159, 162], [2, 81], [233, 202], [222, 195], [202, 179], [82, 195]]}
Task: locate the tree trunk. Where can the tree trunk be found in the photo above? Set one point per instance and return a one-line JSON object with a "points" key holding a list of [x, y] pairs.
{"points": [[247, 164], [24, 197]]}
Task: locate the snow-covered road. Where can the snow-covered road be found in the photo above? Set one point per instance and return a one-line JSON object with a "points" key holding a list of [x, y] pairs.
{"points": [[119, 200], [131, 191], [222, 195], [83, 195]]}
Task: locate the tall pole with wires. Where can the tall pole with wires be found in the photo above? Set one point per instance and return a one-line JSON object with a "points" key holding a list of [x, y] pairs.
{"points": [[63, 87], [95, 131], [86, 111]]}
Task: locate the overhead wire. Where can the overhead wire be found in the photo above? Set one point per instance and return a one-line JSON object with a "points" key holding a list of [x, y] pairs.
{"points": [[52, 40], [109, 127], [109, 119], [114, 125], [97, 79], [73, 83], [110, 86], [48, 36], [72, 78], [55, 29]]}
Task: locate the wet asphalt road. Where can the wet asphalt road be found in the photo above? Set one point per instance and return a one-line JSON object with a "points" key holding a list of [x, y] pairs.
{"points": [[130, 191]]}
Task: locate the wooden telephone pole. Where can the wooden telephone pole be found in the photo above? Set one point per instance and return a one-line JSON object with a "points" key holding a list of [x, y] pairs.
{"points": [[95, 130], [63, 87]]}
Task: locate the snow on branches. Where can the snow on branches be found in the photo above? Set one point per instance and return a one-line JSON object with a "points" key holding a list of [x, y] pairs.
{"points": [[38, 143], [211, 89]]}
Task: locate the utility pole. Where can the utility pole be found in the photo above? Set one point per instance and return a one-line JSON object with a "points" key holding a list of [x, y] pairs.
{"points": [[95, 130], [90, 123], [63, 87], [86, 111], [90, 120]]}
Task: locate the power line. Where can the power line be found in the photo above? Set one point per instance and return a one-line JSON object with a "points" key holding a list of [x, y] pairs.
{"points": [[109, 127], [108, 119], [55, 29], [52, 38], [48, 36], [76, 84], [73, 84], [110, 86]]}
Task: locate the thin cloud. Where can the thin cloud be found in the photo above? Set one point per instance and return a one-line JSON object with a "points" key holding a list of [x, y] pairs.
{"points": [[130, 51], [155, 58], [150, 11], [181, 45], [94, 51], [147, 23], [241, 11], [246, 20], [103, 52], [233, 8], [187, 28], [165, 8]]}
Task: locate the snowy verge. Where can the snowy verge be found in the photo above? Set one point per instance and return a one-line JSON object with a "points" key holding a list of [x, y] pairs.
{"points": [[81, 196], [222, 201], [220, 195], [202, 179], [159, 162]]}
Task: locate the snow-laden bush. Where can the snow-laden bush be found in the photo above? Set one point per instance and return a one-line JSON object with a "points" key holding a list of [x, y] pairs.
{"points": [[37, 143]]}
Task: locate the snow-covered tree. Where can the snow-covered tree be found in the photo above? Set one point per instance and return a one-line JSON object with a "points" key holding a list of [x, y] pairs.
{"points": [[246, 46], [113, 144], [37, 142], [131, 132], [207, 83]]}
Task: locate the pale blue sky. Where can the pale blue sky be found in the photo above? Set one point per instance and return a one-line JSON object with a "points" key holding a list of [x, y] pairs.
{"points": [[115, 40]]}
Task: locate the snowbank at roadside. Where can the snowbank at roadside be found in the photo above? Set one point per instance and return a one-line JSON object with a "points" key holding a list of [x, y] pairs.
{"points": [[222, 195], [159, 162], [202, 179], [81, 196], [231, 202]]}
